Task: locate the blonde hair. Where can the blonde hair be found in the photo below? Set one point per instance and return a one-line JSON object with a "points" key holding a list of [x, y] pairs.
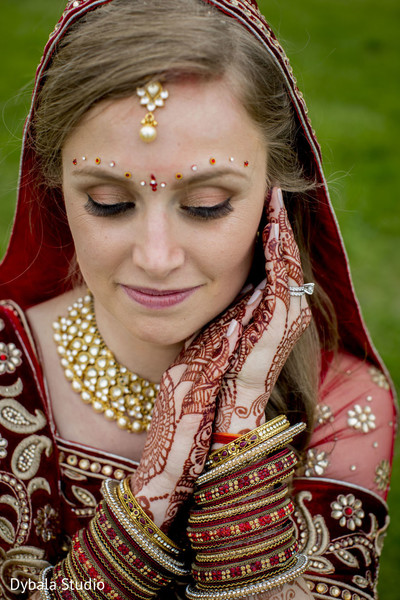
{"points": [[125, 43]]}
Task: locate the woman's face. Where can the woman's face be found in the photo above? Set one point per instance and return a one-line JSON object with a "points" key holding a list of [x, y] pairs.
{"points": [[164, 232]]}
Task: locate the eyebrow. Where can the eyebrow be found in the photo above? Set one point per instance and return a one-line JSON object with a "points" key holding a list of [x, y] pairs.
{"points": [[196, 177]]}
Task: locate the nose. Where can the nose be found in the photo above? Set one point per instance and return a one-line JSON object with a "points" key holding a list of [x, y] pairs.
{"points": [[157, 247]]}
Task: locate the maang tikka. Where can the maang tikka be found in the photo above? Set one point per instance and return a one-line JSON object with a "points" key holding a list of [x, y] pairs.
{"points": [[152, 95]]}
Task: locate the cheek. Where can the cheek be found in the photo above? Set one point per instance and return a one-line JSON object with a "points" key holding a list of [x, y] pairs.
{"points": [[229, 256], [95, 247]]}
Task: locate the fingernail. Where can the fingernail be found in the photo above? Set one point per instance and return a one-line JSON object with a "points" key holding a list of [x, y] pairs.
{"points": [[275, 230], [232, 326], [262, 284], [256, 294], [247, 288], [280, 197]]}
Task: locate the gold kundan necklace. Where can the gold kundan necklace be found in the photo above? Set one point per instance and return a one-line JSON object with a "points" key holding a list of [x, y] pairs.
{"points": [[95, 374]]}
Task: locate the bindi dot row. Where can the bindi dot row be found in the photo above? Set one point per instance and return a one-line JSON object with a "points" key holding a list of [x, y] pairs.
{"points": [[153, 181]]}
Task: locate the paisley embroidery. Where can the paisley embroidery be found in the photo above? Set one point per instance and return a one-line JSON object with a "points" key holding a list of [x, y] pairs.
{"points": [[23, 563], [10, 391], [14, 417], [7, 531], [314, 535], [10, 500], [84, 496], [357, 550], [26, 458], [3, 447], [20, 503], [39, 483]]}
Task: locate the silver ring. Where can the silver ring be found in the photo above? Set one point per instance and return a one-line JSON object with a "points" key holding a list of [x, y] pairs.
{"points": [[307, 288]]}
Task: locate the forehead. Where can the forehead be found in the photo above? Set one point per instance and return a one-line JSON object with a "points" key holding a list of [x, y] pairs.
{"points": [[198, 117]]}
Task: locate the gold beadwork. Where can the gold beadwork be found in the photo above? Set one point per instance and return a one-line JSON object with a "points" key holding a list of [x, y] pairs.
{"points": [[95, 374], [152, 96]]}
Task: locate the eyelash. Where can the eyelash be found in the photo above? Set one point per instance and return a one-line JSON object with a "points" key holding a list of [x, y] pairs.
{"points": [[209, 212], [197, 212], [106, 210]]}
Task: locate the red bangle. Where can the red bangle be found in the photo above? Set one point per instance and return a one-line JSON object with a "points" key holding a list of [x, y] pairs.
{"points": [[224, 438]]}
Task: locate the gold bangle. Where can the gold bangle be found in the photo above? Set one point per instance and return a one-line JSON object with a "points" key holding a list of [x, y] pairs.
{"points": [[268, 446], [126, 578], [141, 519], [258, 587], [239, 552], [247, 441], [236, 510]]}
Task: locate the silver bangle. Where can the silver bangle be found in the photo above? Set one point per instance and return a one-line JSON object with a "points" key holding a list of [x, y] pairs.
{"points": [[254, 588], [171, 565], [44, 592]]}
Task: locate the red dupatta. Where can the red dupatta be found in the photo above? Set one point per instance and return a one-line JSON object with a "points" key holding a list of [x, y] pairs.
{"points": [[36, 265]]}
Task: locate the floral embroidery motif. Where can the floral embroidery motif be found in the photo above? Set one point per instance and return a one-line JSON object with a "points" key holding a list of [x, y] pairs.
{"points": [[382, 475], [323, 414], [316, 463], [379, 378], [46, 522], [10, 358], [348, 510], [3, 446], [361, 418]]}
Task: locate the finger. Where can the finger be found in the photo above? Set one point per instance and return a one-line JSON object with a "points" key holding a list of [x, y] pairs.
{"points": [[275, 289], [290, 249]]}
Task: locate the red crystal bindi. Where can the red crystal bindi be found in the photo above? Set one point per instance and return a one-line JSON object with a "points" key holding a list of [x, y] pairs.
{"points": [[74, 162], [246, 163], [153, 183]]}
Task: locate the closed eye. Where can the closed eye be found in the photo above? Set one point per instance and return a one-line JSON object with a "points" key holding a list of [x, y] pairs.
{"points": [[209, 212], [104, 210]]}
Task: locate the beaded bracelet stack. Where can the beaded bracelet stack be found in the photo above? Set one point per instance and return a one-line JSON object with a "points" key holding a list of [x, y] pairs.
{"points": [[240, 529], [122, 554]]}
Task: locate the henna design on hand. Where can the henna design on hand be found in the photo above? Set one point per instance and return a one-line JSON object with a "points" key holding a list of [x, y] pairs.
{"points": [[275, 326], [161, 435], [180, 433]]}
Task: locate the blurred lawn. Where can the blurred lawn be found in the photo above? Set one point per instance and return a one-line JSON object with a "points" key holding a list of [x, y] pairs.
{"points": [[346, 56]]}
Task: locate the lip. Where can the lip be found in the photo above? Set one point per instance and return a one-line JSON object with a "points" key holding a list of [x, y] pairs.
{"points": [[158, 299]]}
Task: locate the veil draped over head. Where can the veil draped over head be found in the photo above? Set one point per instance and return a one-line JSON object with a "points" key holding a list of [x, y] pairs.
{"points": [[40, 251]]}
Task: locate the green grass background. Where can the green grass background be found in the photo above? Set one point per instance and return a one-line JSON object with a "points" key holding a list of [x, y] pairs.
{"points": [[346, 56]]}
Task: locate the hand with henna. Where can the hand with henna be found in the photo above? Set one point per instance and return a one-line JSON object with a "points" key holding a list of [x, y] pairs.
{"points": [[272, 323], [180, 434]]}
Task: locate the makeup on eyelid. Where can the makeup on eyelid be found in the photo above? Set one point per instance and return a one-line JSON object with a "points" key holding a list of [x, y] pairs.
{"points": [[189, 224]]}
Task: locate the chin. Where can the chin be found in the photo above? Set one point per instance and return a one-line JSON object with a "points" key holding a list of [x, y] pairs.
{"points": [[163, 336]]}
